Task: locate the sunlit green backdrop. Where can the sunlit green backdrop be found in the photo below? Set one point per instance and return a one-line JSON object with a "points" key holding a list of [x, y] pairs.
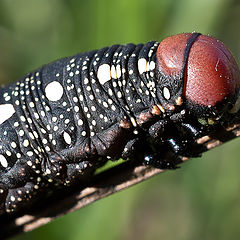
{"points": [[199, 201]]}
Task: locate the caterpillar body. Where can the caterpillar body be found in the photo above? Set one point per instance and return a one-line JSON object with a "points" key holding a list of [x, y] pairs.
{"points": [[60, 123]]}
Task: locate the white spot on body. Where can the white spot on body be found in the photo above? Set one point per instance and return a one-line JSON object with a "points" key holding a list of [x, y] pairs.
{"points": [[8, 153], [16, 124], [142, 65], [105, 104], [29, 120], [7, 98], [21, 133], [114, 84], [67, 121], [119, 73], [54, 91], [119, 94], [54, 119], [12, 198], [110, 92], [86, 81], [35, 134], [31, 104], [13, 144], [36, 115], [67, 138], [166, 93], [81, 97], [6, 111], [135, 132], [23, 119], [29, 163], [113, 72], [88, 88], [104, 73], [76, 108], [80, 122], [134, 123], [31, 135], [47, 148], [25, 143], [110, 101], [3, 161], [152, 65]]}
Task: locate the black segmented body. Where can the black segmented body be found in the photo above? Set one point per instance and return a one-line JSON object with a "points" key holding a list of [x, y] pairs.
{"points": [[63, 121]]}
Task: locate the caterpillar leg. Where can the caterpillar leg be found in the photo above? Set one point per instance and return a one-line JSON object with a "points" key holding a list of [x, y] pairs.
{"points": [[78, 171], [168, 142], [17, 198], [157, 160]]}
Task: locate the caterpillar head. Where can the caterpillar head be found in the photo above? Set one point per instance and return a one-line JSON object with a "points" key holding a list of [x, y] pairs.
{"points": [[199, 72]]}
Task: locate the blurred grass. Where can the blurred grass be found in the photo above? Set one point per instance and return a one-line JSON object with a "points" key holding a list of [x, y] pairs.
{"points": [[199, 201]]}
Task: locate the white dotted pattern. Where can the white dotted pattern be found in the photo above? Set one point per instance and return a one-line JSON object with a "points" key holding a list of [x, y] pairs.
{"points": [[49, 119]]}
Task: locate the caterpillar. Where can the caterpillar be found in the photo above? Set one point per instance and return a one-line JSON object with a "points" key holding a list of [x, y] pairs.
{"points": [[61, 122]]}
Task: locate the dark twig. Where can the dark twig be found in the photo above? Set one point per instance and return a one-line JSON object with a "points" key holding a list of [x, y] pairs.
{"points": [[102, 185]]}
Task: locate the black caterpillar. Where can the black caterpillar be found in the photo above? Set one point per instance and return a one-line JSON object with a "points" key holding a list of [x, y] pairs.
{"points": [[61, 122]]}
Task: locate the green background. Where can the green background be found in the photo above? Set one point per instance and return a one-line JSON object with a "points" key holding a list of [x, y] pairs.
{"points": [[199, 201]]}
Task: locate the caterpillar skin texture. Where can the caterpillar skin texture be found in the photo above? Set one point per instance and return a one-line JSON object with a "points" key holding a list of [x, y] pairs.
{"points": [[61, 122]]}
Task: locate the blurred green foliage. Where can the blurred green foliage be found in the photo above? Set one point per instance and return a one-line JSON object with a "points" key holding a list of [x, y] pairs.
{"points": [[199, 201]]}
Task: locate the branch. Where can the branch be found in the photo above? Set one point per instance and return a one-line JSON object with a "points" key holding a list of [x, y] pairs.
{"points": [[101, 185]]}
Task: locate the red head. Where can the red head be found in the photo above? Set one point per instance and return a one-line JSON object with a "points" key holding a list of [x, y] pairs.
{"points": [[205, 68]]}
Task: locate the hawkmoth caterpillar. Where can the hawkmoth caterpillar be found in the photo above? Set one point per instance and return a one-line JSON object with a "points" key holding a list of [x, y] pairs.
{"points": [[61, 122]]}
